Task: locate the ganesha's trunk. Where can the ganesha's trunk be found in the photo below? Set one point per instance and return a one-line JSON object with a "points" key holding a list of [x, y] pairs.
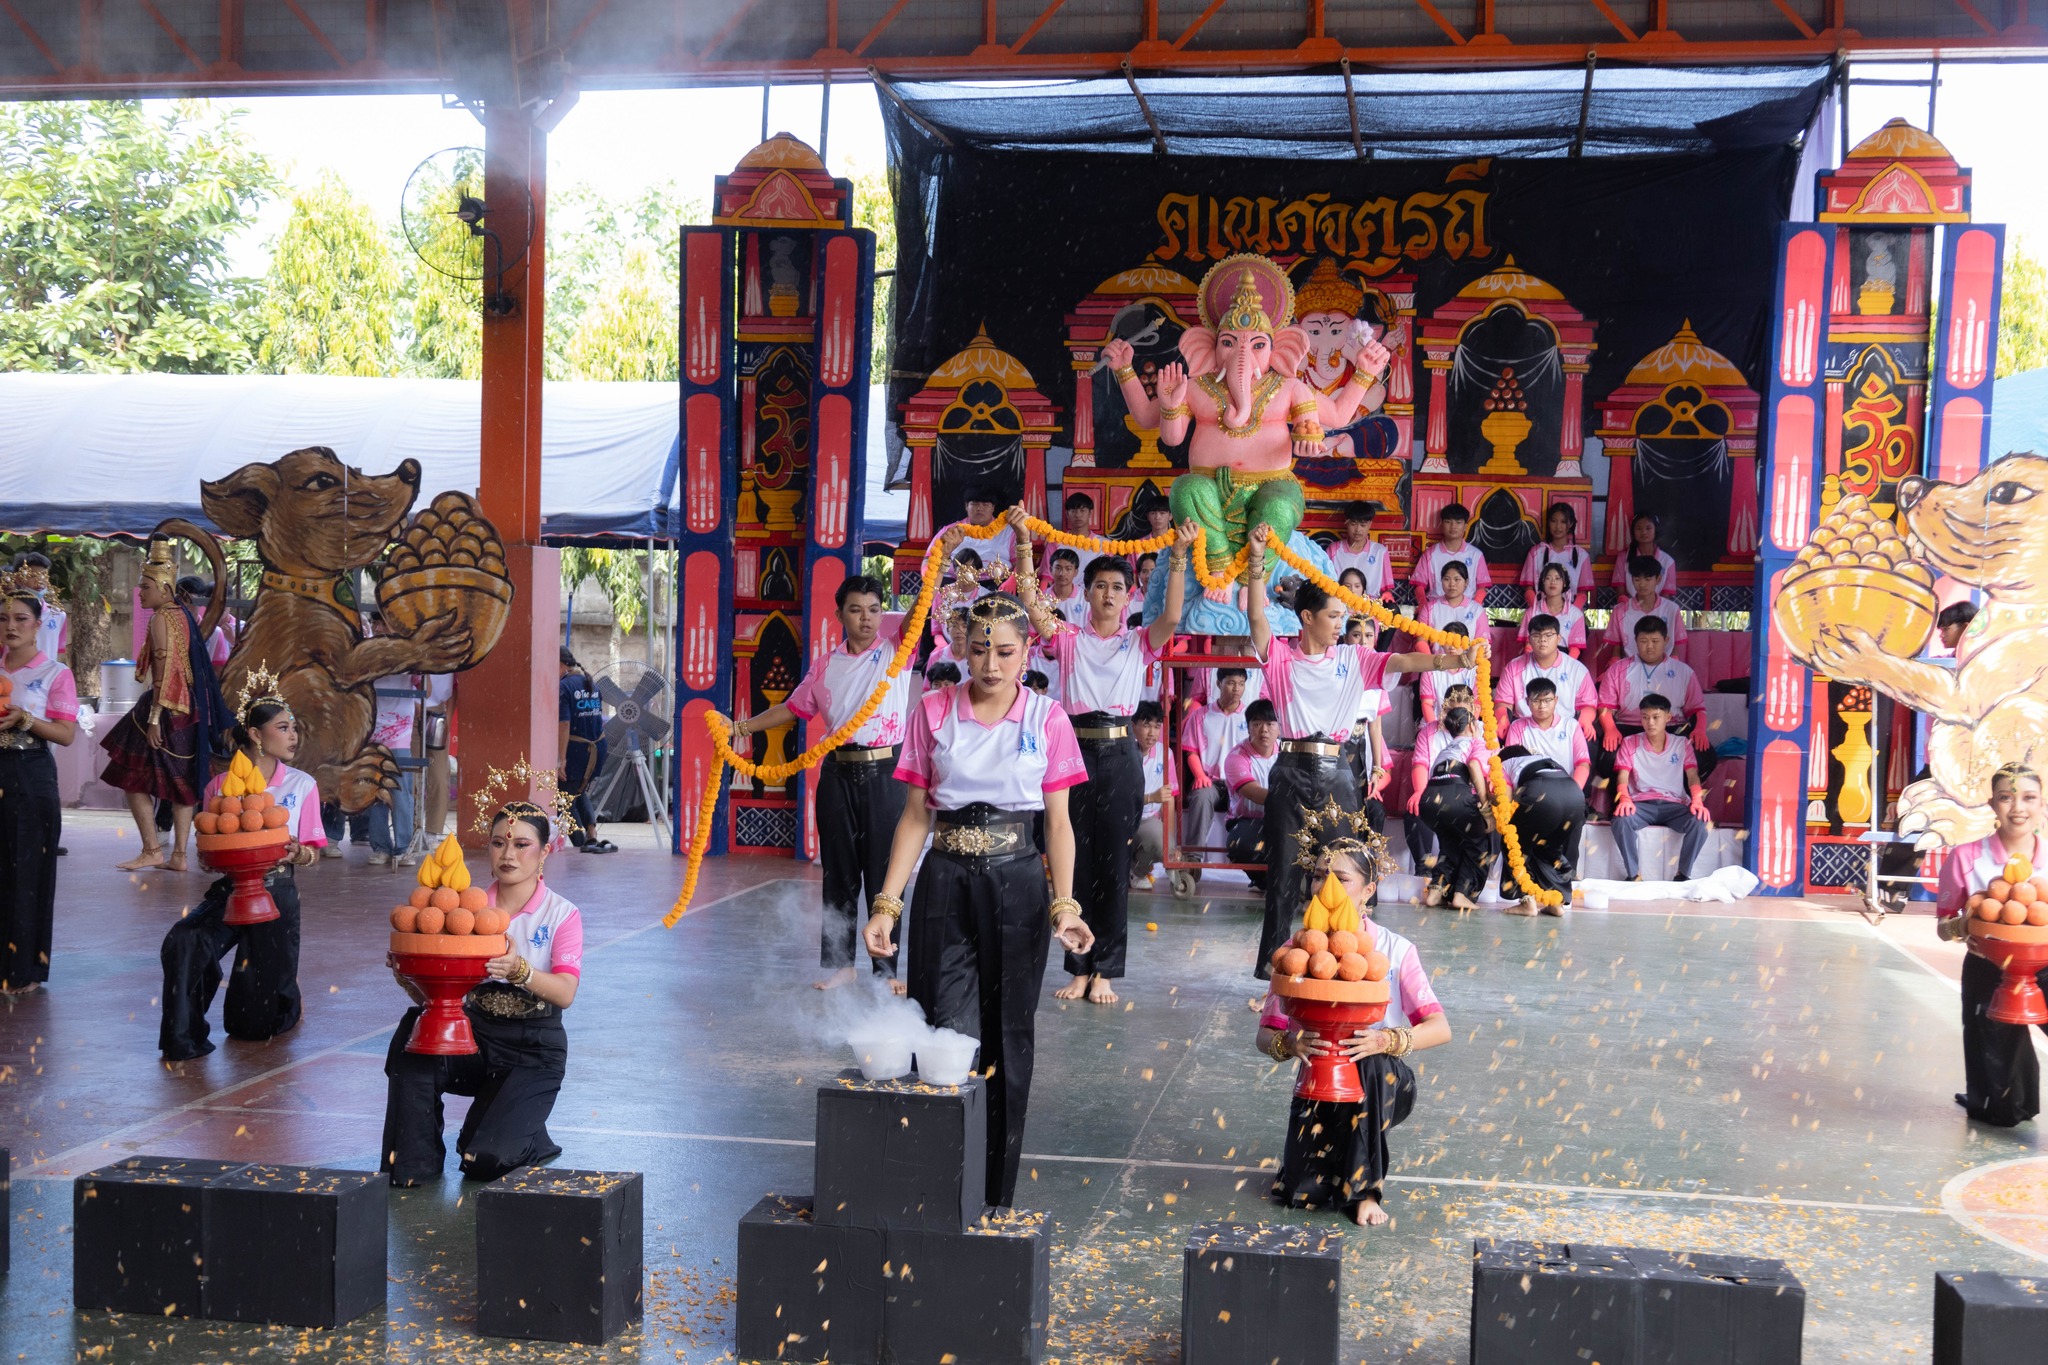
{"points": [[1240, 374]]}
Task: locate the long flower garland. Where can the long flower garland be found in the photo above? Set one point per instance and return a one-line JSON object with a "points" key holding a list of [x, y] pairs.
{"points": [[913, 629]]}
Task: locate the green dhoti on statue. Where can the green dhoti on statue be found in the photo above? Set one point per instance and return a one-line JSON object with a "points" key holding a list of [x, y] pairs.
{"points": [[1226, 503]]}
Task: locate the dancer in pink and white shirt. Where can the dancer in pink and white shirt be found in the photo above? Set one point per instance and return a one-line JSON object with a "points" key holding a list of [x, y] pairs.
{"points": [[859, 800], [41, 710]]}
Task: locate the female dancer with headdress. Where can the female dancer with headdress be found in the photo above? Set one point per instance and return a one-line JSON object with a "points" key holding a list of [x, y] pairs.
{"points": [[2001, 1077], [263, 989], [41, 709], [1337, 1154], [522, 1050], [990, 754], [1102, 665], [162, 749]]}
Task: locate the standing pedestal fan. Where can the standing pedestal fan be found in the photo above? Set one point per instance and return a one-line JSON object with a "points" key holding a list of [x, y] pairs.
{"points": [[637, 702]]}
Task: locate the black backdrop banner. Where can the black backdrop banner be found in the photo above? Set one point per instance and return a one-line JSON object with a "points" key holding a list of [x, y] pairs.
{"points": [[1014, 240]]}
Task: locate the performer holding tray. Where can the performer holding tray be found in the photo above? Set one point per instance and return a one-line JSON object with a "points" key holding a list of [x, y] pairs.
{"points": [[2001, 1077], [38, 708], [1317, 687], [516, 1013], [989, 755], [859, 800], [1337, 1154], [1102, 666], [263, 989]]}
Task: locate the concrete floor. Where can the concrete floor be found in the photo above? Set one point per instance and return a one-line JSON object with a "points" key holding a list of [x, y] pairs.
{"points": [[1758, 1079]]}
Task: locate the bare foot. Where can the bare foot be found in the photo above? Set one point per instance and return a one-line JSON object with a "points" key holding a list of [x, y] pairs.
{"points": [[1367, 1213], [1525, 906], [898, 987], [177, 862], [1099, 992], [153, 856], [842, 977], [1461, 901], [1434, 896], [1073, 990]]}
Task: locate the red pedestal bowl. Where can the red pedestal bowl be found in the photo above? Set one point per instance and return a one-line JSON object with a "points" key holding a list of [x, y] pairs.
{"points": [[246, 866], [1332, 1011], [444, 978], [2021, 952]]}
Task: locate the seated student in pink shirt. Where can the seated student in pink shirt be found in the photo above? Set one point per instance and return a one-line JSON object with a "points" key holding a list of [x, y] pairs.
{"points": [[1246, 772], [1454, 603], [1643, 604], [1451, 547], [1657, 782], [1162, 792], [1448, 779], [1572, 681], [1431, 687], [1642, 531], [1551, 732], [1561, 550], [1554, 599], [1627, 681], [1337, 1155]]}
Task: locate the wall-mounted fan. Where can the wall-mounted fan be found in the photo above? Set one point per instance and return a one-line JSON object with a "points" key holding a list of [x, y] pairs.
{"points": [[451, 228]]}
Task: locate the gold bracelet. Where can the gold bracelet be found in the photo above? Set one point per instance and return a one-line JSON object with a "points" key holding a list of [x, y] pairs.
{"points": [[1167, 414], [1277, 1050], [886, 904], [1064, 905], [1124, 374], [1178, 559]]}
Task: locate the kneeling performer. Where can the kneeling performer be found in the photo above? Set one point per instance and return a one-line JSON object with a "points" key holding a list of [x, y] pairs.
{"points": [[522, 1050]]}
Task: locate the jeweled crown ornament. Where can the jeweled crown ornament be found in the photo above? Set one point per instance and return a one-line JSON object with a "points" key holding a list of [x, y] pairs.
{"points": [[1247, 310]]}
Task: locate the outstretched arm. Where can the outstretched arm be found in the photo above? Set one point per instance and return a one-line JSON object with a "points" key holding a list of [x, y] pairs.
{"points": [[1161, 630], [1043, 618], [1255, 599]]}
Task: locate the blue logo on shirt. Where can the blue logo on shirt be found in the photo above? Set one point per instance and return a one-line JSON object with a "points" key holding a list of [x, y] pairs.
{"points": [[1027, 743], [540, 936]]}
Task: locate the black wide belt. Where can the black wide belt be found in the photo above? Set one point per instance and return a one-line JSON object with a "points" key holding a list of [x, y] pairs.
{"points": [[981, 830], [1316, 747], [21, 741], [863, 753], [1100, 726]]}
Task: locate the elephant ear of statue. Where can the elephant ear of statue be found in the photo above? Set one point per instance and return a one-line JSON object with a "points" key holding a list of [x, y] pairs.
{"points": [[1290, 348], [1198, 348]]}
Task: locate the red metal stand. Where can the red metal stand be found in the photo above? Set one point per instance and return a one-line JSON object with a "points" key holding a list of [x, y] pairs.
{"points": [[1333, 1076], [249, 902], [2021, 952], [443, 1029]]}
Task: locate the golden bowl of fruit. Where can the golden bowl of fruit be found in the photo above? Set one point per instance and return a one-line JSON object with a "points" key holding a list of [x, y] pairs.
{"points": [[448, 560], [1856, 570]]}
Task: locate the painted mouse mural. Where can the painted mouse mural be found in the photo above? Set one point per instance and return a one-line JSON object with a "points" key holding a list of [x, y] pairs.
{"points": [[316, 521]]}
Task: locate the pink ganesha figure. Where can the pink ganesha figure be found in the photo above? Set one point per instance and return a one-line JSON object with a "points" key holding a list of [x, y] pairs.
{"points": [[1250, 414]]}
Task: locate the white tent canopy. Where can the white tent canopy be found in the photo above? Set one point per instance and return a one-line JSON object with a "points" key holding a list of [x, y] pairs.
{"points": [[116, 454]]}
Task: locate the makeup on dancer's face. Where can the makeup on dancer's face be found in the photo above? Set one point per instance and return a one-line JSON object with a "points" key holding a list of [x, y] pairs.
{"points": [[996, 655], [2016, 802], [17, 623], [516, 852], [278, 737], [1109, 593]]}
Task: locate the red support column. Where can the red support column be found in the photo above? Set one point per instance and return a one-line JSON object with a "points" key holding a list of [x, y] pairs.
{"points": [[507, 703]]}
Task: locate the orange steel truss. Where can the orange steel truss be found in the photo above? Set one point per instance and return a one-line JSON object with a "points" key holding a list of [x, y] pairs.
{"points": [[131, 47]]}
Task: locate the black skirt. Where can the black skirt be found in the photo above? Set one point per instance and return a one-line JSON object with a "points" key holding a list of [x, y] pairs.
{"points": [[1337, 1154], [31, 821]]}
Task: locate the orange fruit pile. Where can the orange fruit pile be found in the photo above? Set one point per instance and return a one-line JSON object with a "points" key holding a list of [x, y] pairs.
{"points": [[1331, 954], [446, 901], [244, 806], [2019, 897]]}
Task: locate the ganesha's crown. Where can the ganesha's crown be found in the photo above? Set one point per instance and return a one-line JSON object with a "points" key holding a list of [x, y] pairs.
{"points": [[1247, 310]]}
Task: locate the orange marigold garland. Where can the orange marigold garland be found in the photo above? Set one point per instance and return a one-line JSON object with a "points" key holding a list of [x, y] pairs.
{"points": [[913, 628]]}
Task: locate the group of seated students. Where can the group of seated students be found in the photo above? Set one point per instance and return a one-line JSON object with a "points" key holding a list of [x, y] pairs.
{"points": [[1635, 736]]}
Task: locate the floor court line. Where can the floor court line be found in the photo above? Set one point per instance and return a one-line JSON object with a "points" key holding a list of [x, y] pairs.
{"points": [[347, 1045]]}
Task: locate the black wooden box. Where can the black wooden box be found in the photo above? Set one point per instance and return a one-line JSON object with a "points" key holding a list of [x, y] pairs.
{"points": [[137, 1235], [1260, 1292], [1718, 1310], [980, 1297], [808, 1291], [901, 1154], [295, 1245], [1986, 1319], [1548, 1303], [558, 1254]]}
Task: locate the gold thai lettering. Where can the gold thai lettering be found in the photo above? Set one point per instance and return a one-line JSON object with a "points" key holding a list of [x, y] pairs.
{"points": [[1372, 235]]}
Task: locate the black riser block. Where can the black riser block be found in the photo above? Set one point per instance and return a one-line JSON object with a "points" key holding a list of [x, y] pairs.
{"points": [[6, 1210], [137, 1235], [808, 1291], [901, 1154], [1718, 1310], [1986, 1319], [1551, 1304], [296, 1246], [980, 1297], [558, 1254], [1260, 1294]]}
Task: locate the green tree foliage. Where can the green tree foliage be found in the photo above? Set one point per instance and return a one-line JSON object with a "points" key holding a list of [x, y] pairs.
{"points": [[114, 226], [875, 210], [614, 278], [442, 313], [329, 298], [2023, 311], [621, 573], [628, 331]]}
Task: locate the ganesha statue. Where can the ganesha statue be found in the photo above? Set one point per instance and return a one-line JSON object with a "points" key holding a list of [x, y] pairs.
{"points": [[1243, 408]]}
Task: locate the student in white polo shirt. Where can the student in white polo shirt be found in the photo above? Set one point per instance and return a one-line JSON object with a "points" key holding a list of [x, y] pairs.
{"points": [[1645, 601], [989, 756], [1162, 792], [1657, 782], [1208, 733], [1246, 771], [1103, 666], [859, 800], [1550, 801], [1627, 681], [1571, 681], [1317, 687], [1549, 731], [1358, 550], [1561, 549]]}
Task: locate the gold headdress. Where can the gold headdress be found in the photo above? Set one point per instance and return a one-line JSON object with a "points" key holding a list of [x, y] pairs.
{"points": [[161, 568], [1332, 829], [993, 610], [1327, 291], [522, 776], [22, 582], [259, 687]]}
